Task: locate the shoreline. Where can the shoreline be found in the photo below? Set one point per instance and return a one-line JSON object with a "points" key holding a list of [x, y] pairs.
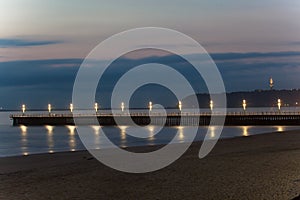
{"points": [[264, 166]]}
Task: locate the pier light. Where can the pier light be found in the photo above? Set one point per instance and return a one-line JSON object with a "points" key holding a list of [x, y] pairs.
{"points": [[244, 104], [49, 108], [23, 108], [96, 107], [211, 105], [150, 106], [279, 104], [122, 106], [71, 107], [179, 105]]}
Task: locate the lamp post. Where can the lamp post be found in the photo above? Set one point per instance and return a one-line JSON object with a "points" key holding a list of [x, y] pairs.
{"points": [[150, 106], [23, 108], [49, 108], [122, 106], [96, 107], [71, 107], [180, 105], [244, 104], [211, 105], [279, 104]]}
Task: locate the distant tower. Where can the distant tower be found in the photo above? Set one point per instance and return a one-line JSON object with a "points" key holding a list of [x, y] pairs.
{"points": [[271, 83]]}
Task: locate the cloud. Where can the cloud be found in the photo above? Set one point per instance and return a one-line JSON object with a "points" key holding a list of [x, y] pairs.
{"points": [[14, 42], [37, 82], [228, 56], [52, 72], [237, 56], [295, 43]]}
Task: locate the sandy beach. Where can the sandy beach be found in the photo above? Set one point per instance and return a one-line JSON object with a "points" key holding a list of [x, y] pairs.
{"points": [[256, 167]]}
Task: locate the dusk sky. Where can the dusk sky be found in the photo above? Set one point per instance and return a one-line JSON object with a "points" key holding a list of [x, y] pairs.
{"points": [[42, 43]]}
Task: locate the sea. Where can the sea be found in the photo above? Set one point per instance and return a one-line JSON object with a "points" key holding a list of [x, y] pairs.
{"points": [[27, 140]]}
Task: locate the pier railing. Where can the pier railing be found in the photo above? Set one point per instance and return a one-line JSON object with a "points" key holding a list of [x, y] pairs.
{"points": [[156, 114]]}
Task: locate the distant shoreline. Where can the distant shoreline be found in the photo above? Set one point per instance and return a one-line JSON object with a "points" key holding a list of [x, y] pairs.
{"points": [[255, 98]]}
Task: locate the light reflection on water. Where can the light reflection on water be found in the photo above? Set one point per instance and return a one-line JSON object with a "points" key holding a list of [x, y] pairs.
{"points": [[123, 136], [49, 129], [96, 129], [151, 137], [245, 131], [72, 138], [23, 129], [71, 129], [180, 134], [50, 140], [97, 136], [280, 128], [212, 133], [24, 140]]}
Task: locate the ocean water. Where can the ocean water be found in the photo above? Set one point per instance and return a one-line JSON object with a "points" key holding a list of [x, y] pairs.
{"points": [[25, 140]]}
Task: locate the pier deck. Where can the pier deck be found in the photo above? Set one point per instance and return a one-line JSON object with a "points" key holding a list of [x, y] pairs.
{"points": [[171, 119]]}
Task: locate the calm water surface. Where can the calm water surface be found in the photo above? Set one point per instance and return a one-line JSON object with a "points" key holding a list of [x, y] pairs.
{"points": [[22, 140]]}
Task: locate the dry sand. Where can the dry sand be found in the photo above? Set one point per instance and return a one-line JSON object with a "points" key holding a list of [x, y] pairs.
{"points": [[256, 167]]}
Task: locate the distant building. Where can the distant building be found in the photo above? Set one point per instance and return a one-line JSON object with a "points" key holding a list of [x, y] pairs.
{"points": [[271, 83]]}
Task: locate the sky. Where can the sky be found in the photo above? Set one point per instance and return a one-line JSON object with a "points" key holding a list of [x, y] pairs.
{"points": [[42, 43]]}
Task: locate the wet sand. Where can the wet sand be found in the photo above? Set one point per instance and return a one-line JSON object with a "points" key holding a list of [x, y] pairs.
{"points": [[256, 167]]}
